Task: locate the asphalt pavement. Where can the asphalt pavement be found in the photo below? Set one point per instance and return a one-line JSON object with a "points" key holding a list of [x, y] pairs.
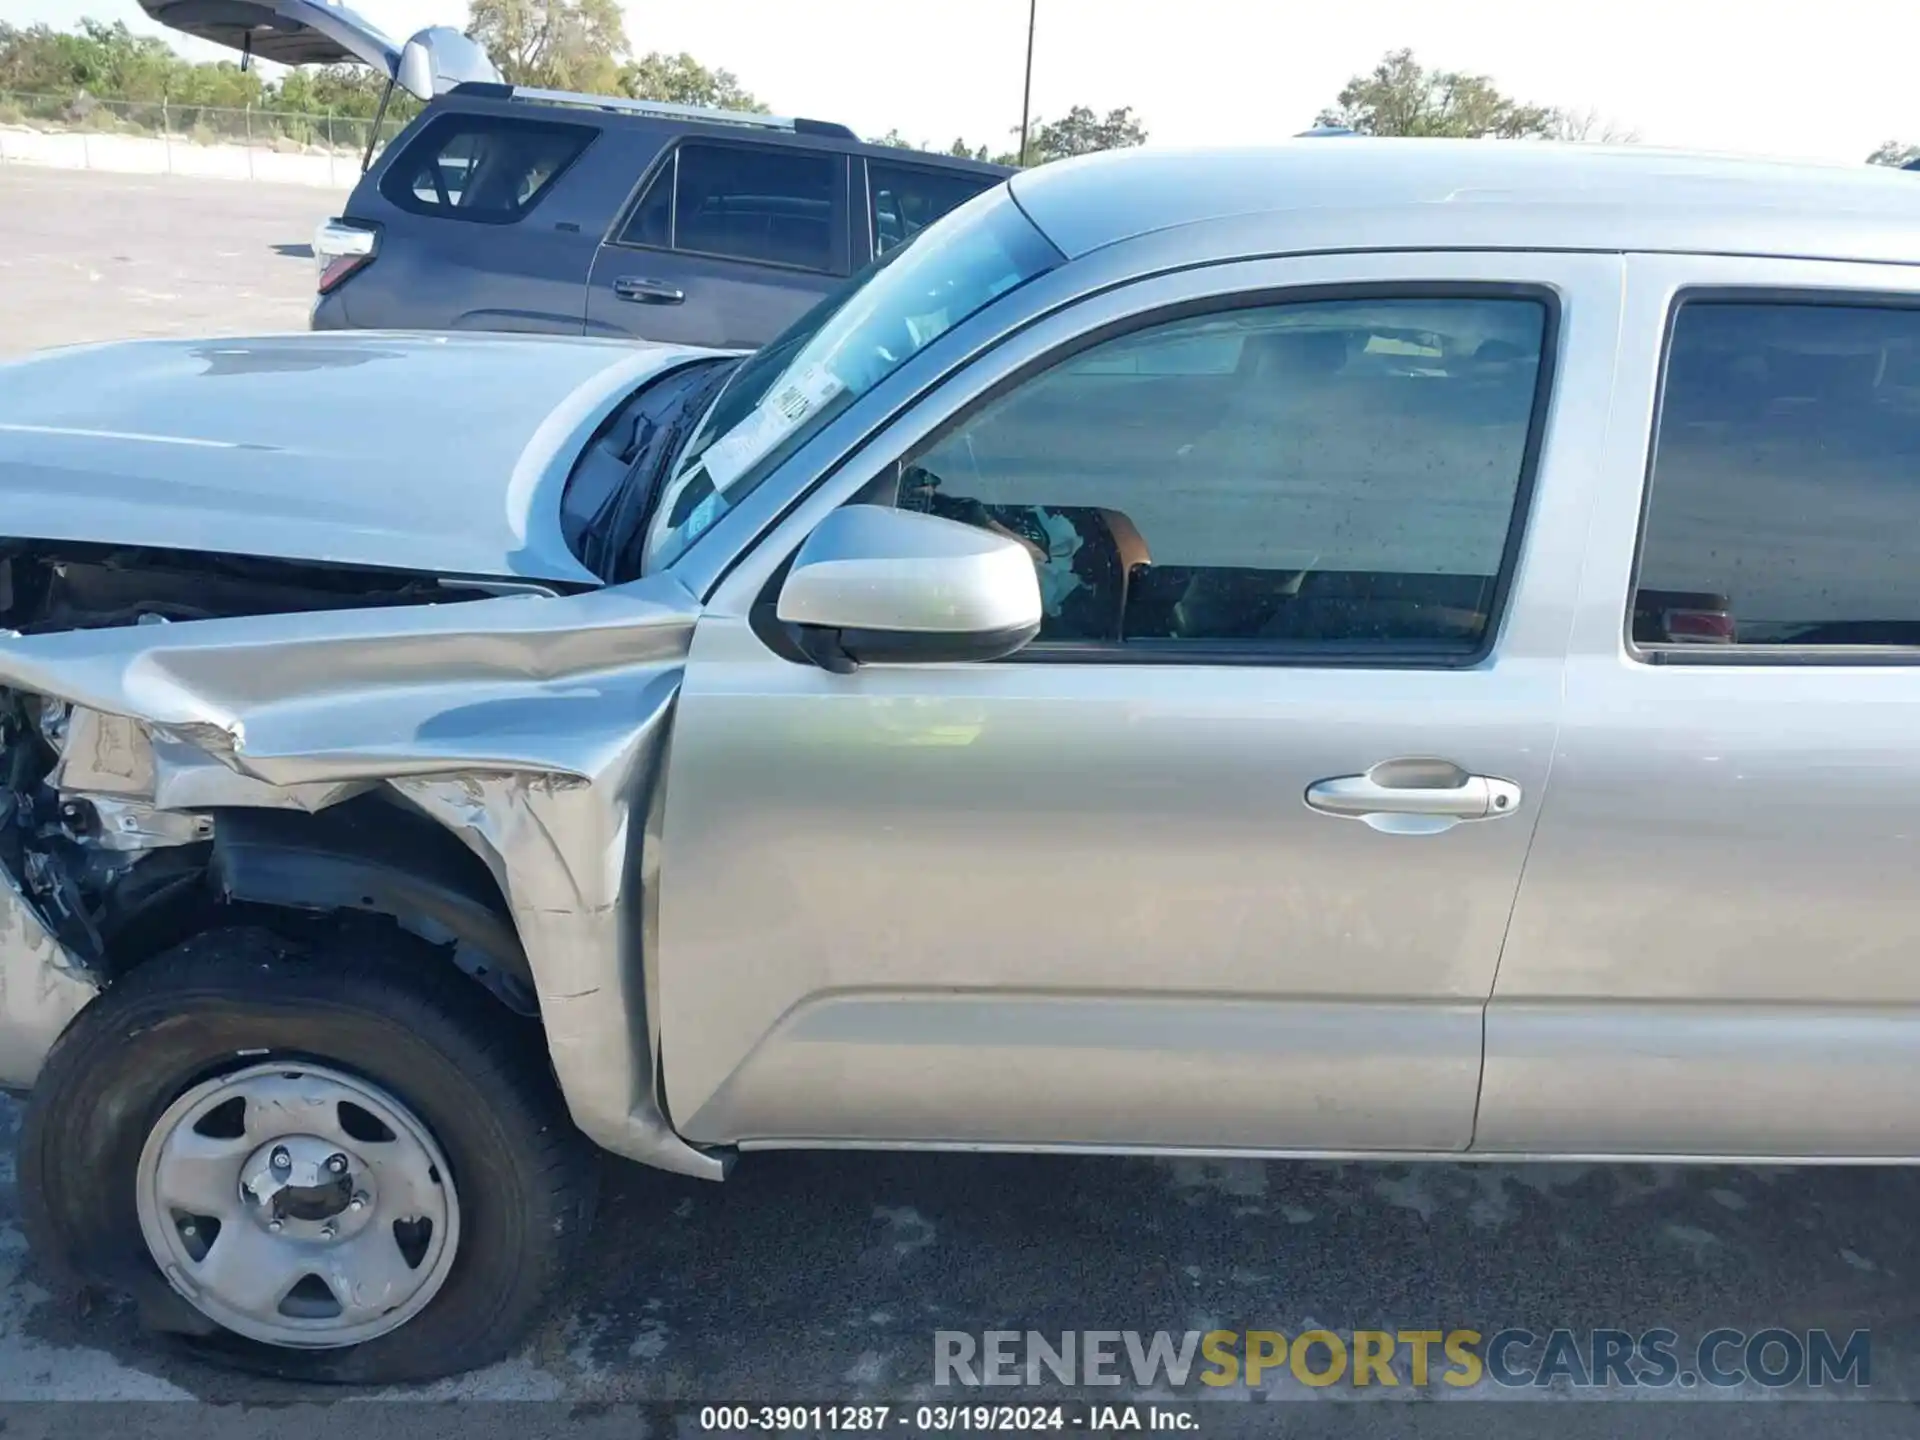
{"points": [[88, 256], [823, 1278]]}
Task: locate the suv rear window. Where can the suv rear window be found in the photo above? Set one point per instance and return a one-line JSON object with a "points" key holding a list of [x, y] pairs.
{"points": [[489, 168], [773, 206]]}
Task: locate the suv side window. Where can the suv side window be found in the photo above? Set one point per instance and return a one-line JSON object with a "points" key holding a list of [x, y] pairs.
{"points": [[1311, 478], [1784, 496], [488, 168], [905, 199], [760, 203]]}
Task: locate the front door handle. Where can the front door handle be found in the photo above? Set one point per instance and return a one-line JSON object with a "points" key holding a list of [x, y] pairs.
{"points": [[1414, 797], [647, 292]]}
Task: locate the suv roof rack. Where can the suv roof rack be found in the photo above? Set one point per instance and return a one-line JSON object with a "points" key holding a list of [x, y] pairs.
{"points": [[659, 109]]}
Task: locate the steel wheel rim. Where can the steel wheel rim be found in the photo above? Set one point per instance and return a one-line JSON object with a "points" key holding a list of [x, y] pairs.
{"points": [[335, 1205]]}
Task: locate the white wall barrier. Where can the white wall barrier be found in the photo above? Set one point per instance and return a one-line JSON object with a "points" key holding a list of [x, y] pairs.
{"points": [[176, 155]]}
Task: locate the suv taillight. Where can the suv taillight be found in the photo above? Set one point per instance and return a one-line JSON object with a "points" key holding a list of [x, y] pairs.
{"points": [[340, 249]]}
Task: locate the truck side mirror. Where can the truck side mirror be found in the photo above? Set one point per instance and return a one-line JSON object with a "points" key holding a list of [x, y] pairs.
{"points": [[874, 585]]}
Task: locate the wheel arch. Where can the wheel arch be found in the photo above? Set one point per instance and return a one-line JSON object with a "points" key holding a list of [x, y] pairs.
{"points": [[377, 855]]}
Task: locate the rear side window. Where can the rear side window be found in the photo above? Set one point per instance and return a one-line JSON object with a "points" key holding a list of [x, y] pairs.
{"points": [[772, 206], [1783, 507], [488, 168], [905, 199]]}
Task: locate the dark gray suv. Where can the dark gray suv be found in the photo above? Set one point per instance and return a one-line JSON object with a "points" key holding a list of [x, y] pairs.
{"points": [[504, 208], [508, 208]]}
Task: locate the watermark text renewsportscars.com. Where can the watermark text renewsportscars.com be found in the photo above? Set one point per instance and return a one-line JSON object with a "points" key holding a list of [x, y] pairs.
{"points": [[1460, 1359]]}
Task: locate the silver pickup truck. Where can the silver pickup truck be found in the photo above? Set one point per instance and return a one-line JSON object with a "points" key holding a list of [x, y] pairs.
{"points": [[1367, 649]]}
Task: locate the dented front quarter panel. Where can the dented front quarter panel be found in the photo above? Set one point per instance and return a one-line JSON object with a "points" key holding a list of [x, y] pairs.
{"points": [[532, 727]]}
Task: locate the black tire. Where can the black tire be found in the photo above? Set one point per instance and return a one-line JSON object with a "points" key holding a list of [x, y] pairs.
{"points": [[382, 1008]]}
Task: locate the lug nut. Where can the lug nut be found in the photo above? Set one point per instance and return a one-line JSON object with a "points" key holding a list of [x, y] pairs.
{"points": [[358, 1202], [337, 1164], [189, 1230], [329, 1230], [274, 1226], [280, 1159]]}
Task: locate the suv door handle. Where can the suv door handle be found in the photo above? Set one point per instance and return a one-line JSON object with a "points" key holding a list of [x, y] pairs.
{"points": [[647, 292], [1414, 797]]}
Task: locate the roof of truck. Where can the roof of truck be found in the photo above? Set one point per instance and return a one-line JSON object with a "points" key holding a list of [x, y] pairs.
{"points": [[1394, 194]]}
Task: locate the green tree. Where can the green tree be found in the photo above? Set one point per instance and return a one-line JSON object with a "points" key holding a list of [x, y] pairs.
{"points": [[1895, 154], [1401, 97], [110, 62], [560, 44], [352, 91], [682, 80], [959, 149], [1079, 132]]}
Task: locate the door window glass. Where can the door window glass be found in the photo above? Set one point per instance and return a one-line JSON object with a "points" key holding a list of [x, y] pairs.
{"points": [[1329, 474], [908, 198], [488, 168], [765, 204], [652, 222], [1784, 498]]}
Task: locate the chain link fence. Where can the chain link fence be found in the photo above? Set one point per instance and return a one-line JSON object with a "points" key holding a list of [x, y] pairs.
{"points": [[149, 137]]}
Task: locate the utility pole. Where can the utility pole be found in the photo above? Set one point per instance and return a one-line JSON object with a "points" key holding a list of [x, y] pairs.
{"points": [[1026, 98]]}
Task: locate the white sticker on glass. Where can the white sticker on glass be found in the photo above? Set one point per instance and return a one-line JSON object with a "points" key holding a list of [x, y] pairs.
{"points": [[781, 411]]}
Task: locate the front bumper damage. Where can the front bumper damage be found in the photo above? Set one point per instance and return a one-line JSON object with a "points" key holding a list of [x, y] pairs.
{"points": [[532, 727]]}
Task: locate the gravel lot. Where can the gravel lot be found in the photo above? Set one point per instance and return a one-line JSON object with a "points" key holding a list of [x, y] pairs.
{"points": [[823, 1277]]}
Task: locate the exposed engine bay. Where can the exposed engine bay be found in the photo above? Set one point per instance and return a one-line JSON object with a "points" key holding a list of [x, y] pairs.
{"points": [[80, 829]]}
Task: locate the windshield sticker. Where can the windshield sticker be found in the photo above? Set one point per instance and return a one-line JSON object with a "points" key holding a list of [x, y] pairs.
{"points": [[773, 419]]}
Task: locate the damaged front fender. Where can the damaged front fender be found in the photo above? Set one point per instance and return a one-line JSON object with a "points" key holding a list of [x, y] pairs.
{"points": [[41, 987], [532, 727]]}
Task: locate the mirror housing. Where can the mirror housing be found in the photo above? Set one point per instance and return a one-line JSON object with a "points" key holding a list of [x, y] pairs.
{"points": [[875, 585]]}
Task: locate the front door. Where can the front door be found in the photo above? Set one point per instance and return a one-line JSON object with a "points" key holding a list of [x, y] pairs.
{"points": [[1225, 857]]}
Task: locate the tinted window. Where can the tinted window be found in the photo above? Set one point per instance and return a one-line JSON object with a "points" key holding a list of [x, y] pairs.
{"points": [[482, 167], [1327, 474], [1784, 501], [908, 198], [652, 222], [773, 205]]}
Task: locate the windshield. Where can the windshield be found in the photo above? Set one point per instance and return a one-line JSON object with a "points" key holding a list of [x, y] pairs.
{"points": [[838, 351]]}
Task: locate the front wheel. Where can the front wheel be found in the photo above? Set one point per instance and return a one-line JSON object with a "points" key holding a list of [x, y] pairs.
{"points": [[350, 1163]]}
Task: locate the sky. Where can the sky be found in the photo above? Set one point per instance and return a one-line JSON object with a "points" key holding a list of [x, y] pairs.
{"points": [[1828, 80]]}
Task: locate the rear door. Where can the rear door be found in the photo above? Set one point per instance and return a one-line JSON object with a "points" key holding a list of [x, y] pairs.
{"points": [[727, 243], [1716, 950]]}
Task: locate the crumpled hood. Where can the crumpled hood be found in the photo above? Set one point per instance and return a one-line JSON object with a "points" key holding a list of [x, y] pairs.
{"points": [[444, 454]]}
